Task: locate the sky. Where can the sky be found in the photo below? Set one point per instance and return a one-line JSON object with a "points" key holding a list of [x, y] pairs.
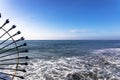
{"points": [[64, 19]]}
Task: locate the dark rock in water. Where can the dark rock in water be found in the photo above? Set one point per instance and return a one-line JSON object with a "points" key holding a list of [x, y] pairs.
{"points": [[82, 76], [75, 76], [69, 77], [104, 61]]}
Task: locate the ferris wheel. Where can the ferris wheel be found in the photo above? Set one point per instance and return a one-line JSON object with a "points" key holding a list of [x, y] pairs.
{"points": [[12, 52]]}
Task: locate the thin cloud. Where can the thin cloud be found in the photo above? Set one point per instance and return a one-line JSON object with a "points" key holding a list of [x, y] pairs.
{"points": [[79, 30]]}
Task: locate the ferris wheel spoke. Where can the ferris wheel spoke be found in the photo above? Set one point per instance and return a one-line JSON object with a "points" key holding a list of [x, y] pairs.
{"points": [[6, 22], [26, 57], [12, 43], [22, 51], [22, 70], [10, 37], [14, 63], [8, 31], [10, 50], [13, 48]]}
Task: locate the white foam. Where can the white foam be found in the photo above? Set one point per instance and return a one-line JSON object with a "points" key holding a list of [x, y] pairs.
{"points": [[113, 51], [101, 66]]}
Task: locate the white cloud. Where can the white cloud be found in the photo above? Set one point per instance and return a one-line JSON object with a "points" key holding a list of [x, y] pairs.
{"points": [[79, 30]]}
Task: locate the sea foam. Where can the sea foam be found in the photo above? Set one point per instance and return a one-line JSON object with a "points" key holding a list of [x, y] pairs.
{"points": [[104, 65]]}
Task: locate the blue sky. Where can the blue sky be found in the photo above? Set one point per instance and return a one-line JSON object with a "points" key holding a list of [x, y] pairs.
{"points": [[64, 19]]}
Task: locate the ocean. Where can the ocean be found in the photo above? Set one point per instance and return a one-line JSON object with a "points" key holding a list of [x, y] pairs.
{"points": [[73, 60], [67, 48]]}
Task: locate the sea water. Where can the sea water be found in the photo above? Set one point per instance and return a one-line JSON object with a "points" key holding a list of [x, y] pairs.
{"points": [[67, 48], [73, 60]]}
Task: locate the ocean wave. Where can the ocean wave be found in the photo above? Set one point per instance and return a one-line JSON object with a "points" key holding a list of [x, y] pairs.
{"points": [[99, 66], [107, 51]]}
